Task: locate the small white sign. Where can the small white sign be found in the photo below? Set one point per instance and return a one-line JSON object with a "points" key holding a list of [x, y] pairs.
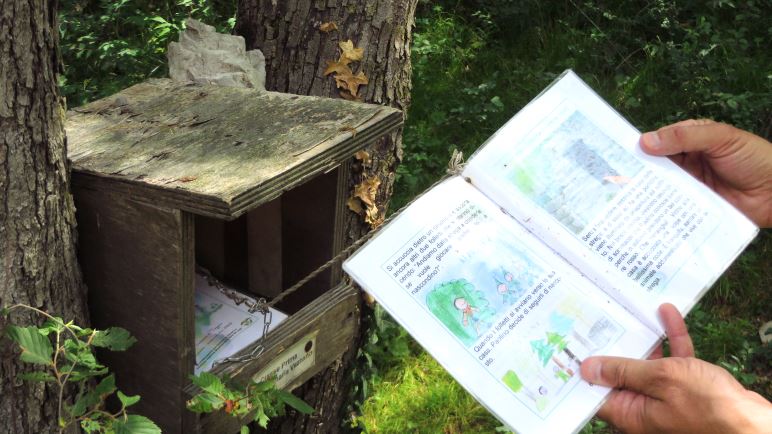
{"points": [[292, 362]]}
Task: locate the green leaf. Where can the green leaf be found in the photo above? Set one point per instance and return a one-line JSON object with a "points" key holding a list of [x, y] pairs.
{"points": [[209, 383], [294, 402], [94, 397], [90, 425], [80, 373], [114, 338], [52, 326], [82, 355], [127, 401], [244, 429], [37, 376], [262, 419], [135, 424], [106, 386], [35, 348], [265, 386], [205, 403]]}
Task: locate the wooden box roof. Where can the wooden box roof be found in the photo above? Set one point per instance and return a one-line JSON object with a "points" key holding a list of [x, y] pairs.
{"points": [[211, 150]]}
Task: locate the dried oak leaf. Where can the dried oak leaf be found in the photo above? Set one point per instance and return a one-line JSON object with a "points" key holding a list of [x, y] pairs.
{"points": [[337, 67], [350, 52], [364, 194], [364, 157], [328, 27], [373, 217], [351, 82], [355, 205], [367, 189]]}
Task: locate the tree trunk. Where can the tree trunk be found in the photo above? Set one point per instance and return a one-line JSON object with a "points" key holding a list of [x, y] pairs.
{"points": [[38, 265], [292, 36]]}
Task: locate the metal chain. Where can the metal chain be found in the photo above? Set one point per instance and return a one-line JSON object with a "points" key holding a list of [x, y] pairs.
{"points": [[253, 306]]}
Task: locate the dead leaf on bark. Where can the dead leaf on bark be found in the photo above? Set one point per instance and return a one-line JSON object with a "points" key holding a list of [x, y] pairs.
{"points": [[350, 52], [345, 79], [355, 205], [364, 157], [373, 217], [367, 189], [364, 194], [351, 82], [328, 27], [337, 67]]}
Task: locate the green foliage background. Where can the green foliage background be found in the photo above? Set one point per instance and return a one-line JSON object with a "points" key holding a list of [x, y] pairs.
{"points": [[108, 45], [476, 63]]}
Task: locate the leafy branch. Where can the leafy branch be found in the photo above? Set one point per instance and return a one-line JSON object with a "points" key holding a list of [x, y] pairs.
{"points": [[263, 400], [64, 352]]}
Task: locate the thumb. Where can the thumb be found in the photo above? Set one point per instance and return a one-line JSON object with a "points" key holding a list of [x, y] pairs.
{"points": [[643, 376], [689, 136]]}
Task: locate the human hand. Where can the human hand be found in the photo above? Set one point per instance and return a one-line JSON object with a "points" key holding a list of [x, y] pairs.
{"points": [[734, 163], [678, 393]]}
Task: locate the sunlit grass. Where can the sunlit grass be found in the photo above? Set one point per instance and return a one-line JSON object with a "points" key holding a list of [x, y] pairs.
{"points": [[418, 396]]}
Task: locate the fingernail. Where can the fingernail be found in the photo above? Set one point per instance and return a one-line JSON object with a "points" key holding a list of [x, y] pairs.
{"points": [[652, 140], [591, 370]]}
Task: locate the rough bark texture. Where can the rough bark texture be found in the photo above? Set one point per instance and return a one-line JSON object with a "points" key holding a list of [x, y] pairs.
{"points": [[38, 264], [296, 51]]}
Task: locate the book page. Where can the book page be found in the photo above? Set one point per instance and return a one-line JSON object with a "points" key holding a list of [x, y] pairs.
{"points": [[570, 169], [224, 328], [505, 315]]}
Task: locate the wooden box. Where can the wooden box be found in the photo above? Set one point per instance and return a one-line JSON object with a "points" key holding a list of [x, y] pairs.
{"points": [[250, 184]]}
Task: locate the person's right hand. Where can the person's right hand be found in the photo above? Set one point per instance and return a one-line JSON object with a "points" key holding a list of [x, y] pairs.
{"points": [[677, 394], [734, 163]]}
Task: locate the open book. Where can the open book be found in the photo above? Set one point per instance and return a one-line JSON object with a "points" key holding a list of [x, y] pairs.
{"points": [[558, 241]]}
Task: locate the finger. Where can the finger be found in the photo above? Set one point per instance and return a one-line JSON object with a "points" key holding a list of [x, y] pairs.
{"points": [[689, 136], [677, 334], [650, 141], [637, 375], [657, 353]]}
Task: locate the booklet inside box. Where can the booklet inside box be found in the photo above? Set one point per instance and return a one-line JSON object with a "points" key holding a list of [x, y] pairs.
{"points": [[259, 255]]}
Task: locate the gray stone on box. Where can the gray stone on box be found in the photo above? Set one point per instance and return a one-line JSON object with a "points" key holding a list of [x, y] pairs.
{"points": [[204, 56]]}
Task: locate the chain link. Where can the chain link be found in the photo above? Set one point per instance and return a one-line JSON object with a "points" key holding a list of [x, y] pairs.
{"points": [[253, 306]]}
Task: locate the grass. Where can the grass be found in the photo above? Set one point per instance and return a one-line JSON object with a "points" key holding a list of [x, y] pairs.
{"points": [[418, 396]]}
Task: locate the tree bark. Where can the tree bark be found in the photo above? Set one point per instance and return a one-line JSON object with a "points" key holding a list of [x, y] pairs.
{"points": [[38, 264], [290, 34]]}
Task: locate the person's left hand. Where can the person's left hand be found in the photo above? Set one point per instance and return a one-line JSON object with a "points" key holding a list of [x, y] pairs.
{"points": [[677, 393]]}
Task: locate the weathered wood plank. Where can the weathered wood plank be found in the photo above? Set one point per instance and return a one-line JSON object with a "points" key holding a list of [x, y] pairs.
{"points": [[216, 151], [137, 261], [264, 245]]}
